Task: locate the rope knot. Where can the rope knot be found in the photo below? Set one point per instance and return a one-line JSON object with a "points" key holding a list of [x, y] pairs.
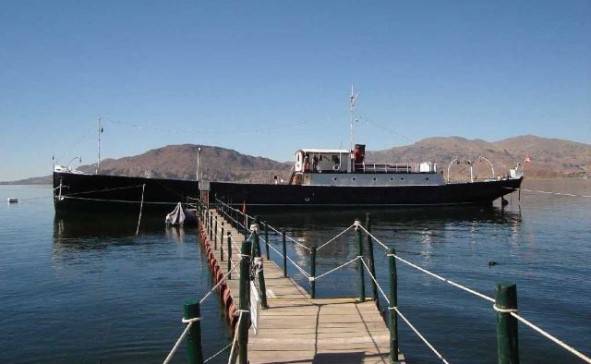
{"points": [[357, 224], [504, 310], [191, 320]]}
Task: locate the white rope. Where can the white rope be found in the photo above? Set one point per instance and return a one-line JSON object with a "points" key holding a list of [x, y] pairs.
{"points": [[235, 340], [374, 238], [177, 343], [375, 281], [218, 284], [287, 237], [335, 269], [490, 299], [552, 338], [104, 190], [420, 335], [218, 353], [291, 261], [139, 218], [334, 237]]}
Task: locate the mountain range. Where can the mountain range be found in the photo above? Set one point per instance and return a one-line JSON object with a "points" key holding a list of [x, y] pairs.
{"points": [[546, 158]]}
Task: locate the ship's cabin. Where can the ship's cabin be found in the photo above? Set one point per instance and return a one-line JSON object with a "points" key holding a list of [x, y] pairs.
{"points": [[341, 167]]}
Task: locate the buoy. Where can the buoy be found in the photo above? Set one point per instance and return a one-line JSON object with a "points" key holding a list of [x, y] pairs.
{"points": [[12, 200]]}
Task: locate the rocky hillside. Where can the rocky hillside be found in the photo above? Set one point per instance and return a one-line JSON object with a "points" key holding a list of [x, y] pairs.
{"points": [[549, 158], [180, 162]]}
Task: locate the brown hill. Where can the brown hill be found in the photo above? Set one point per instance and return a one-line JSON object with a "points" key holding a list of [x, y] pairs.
{"points": [[549, 158], [180, 162]]}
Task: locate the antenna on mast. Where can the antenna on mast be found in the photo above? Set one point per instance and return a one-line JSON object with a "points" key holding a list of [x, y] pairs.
{"points": [[352, 102]]}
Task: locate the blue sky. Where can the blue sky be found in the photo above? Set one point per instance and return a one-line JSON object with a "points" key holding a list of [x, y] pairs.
{"points": [[268, 77]]}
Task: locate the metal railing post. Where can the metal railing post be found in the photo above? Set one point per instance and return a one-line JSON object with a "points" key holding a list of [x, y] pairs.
{"points": [[361, 269], [267, 240], [507, 337], [222, 242], [244, 303], [313, 273], [372, 266], [215, 233], [229, 242], [284, 254], [261, 273], [192, 311], [392, 315]]}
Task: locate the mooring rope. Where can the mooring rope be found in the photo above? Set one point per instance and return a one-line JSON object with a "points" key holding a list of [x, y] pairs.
{"points": [[417, 332], [139, 218]]}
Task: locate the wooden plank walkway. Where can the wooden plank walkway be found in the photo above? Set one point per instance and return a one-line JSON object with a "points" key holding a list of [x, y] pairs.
{"points": [[298, 329]]}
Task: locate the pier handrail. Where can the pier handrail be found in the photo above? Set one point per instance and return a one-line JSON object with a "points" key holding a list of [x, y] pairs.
{"points": [[312, 277]]}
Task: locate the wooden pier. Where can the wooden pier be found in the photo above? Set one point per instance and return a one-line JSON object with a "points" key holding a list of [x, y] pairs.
{"points": [[296, 328]]}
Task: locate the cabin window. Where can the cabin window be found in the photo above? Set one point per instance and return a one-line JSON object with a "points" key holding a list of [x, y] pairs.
{"points": [[402, 178], [374, 179], [353, 179], [391, 178], [427, 178], [334, 178]]}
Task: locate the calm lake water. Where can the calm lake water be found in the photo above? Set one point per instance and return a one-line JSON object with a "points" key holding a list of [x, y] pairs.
{"points": [[85, 289]]}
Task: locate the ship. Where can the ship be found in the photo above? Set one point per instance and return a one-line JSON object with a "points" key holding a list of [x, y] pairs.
{"points": [[74, 190], [342, 178]]}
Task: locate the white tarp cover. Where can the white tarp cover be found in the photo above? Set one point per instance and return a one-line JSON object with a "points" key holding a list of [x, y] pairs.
{"points": [[176, 217]]}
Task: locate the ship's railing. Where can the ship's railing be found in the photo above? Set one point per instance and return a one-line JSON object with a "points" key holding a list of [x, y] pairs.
{"points": [[386, 168]]}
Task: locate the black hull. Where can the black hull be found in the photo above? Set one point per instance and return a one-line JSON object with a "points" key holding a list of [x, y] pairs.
{"points": [[80, 192], [267, 196]]}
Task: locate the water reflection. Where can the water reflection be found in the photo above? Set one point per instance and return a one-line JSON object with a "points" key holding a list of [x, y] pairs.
{"points": [[80, 231]]}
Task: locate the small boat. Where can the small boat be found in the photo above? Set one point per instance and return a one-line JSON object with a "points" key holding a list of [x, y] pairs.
{"points": [[12, 200], [181, 216]]}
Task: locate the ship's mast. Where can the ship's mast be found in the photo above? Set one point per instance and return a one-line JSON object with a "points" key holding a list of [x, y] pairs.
{"points": [[352, 101], [99, 130]]}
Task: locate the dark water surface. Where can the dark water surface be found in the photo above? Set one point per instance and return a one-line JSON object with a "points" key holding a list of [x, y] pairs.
{"points": [[85, 289]]}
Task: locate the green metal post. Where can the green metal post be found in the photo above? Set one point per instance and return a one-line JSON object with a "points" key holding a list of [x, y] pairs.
{"points": [[229, 240], [361, 268], [507, 338], [222, 242], [393, 317], [313, 273], [267, 240], [215, 233], [261, 274], [244, 303], [372, 266], [192, 310], [284, 254]]}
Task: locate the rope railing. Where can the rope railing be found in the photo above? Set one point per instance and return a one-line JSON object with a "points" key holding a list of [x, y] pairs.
{"points": [[358, 226], [531, 325], [176, 345], [421, 336], [315, 278]]}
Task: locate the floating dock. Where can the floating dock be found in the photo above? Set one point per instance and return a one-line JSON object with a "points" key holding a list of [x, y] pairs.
{"points": [[296, 328]]}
